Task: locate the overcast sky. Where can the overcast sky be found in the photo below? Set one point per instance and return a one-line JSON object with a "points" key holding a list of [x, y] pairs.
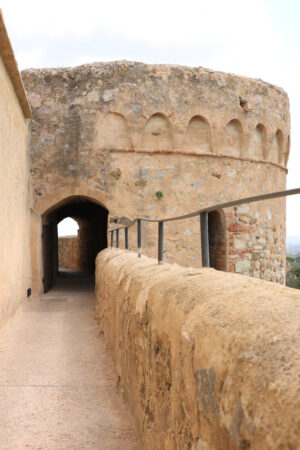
{"points": [[255, 38]]}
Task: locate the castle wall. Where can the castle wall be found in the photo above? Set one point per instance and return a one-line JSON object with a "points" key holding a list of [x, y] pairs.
{"points": [[36, 252], [159, 141], [68, 253], [14, 199], [205, 360]]}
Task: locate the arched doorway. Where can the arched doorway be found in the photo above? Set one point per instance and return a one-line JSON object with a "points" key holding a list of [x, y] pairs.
{"points": [[217, 240], [92, 236], [68, 245]]}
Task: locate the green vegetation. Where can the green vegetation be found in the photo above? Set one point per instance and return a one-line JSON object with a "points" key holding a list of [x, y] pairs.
{"points": [[293, 271], [159, 195]]}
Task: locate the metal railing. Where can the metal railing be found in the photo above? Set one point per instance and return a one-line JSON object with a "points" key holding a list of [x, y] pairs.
{"points": [[202, 213]]}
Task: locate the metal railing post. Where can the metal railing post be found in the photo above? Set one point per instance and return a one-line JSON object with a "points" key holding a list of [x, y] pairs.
{"points": [[117, 238], [203, 213], [204, 239], [112, 238], [160, 241], [139, 237]]}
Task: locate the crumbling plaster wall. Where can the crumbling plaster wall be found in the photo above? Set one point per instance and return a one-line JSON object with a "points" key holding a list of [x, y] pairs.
{"points": [[14, 200], [123, 133], [205, 359]]}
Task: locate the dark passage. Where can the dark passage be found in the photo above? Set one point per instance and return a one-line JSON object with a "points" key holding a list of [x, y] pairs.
{"points": [[92, 236], [217, 240]]}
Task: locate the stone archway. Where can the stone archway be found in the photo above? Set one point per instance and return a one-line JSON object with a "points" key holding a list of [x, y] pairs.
{"points": [[92, 218]]}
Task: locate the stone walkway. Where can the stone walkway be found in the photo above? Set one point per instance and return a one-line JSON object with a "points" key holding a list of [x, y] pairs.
{"points": [[57, 384]]}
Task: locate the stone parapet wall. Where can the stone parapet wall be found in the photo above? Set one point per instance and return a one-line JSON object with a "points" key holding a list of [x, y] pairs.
{"points": [[68, 253], [206, 360]]}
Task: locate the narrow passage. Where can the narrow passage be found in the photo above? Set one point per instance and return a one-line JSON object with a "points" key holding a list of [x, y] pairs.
{"points": [[57, 383]]}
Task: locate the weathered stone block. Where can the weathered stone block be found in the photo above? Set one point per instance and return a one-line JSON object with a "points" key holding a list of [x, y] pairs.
{"points": [[203, 361], [239, 244], [243, 266]]}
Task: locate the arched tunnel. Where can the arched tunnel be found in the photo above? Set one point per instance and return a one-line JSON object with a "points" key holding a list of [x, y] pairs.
{"points": [[92, 220]]}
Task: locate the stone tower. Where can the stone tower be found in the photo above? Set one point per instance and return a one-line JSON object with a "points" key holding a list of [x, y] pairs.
{"points": [[159, 141]]}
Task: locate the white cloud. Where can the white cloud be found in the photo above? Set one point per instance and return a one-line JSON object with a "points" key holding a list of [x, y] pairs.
{"points": [[233, 35], [236, 26]]}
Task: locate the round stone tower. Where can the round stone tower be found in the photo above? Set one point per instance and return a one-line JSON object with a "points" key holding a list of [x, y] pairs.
{"points": [[158, 141]]}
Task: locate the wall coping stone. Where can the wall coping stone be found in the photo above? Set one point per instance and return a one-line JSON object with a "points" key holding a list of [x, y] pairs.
{"points": [[205, 359]]}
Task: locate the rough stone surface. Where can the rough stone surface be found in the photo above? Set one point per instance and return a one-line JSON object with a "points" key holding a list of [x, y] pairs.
{"points": [[206, 360], [68, 253], [159, 141]]}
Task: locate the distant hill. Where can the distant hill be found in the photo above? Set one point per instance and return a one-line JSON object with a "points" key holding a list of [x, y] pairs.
{"points": [[293, 245]]}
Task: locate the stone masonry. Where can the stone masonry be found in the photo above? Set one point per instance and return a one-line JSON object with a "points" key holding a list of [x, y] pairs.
{"points": [[159, 141], [206, 360]]}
